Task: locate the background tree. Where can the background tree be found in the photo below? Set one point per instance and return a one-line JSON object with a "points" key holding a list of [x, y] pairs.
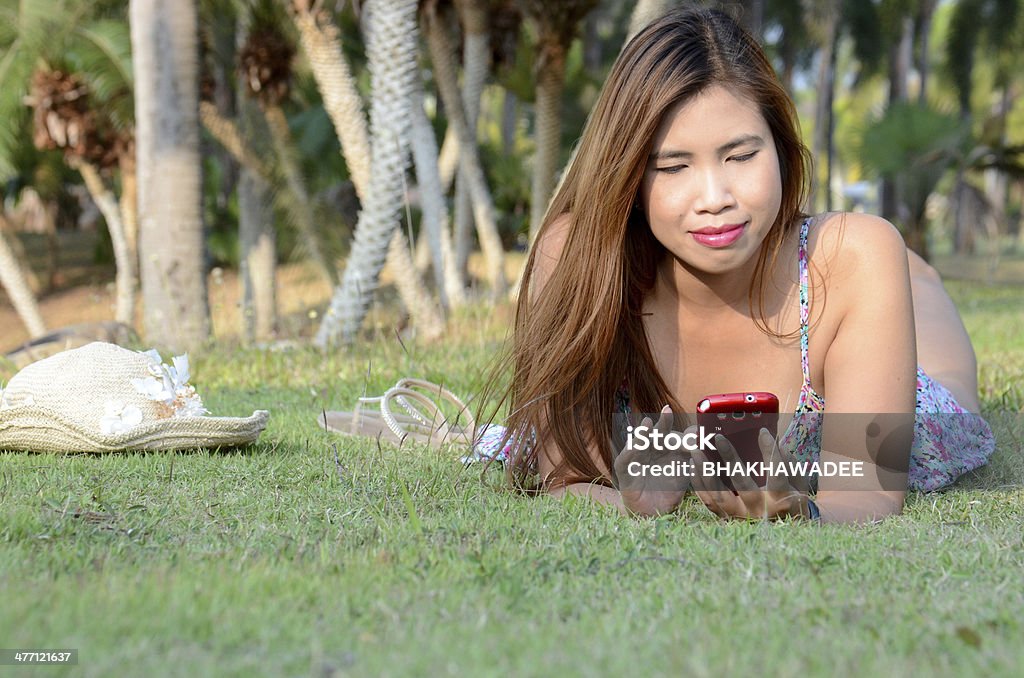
{"points": [[171, 244], [557, 23], [71, 65], [391, 49], [439, 43]]}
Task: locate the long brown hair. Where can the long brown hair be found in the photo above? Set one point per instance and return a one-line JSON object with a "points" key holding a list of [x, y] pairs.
{"points": [[582, 337]]}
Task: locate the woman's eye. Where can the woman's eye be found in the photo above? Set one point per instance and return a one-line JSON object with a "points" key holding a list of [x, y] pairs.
{"points": [[745, 157], [672, 169]]}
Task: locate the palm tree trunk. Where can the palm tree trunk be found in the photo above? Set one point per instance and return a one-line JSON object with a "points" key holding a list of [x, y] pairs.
{"points": [[259, 261], [13, 279], [227, 135], [106, 202], [448, 159], [129, 204], [821, 184], [321, 42], [322, 45], [391, 53], [256, 232], [435, 212], [469, 158], [281, 137], [644, 12], [550, 83], [171, 239], [476, 59]]}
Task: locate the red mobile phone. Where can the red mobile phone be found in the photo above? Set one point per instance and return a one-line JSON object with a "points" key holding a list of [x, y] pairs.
{"points": [[740, 418]]}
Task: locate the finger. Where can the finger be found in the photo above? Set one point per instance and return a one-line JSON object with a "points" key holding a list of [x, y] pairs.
{"points": [[772, 451], [777, 482], [741, 481], [707, 497], [710, 488], [665, 420]]}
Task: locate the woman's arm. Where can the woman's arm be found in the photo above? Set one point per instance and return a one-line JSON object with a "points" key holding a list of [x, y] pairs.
{"points": [[870, 370]]}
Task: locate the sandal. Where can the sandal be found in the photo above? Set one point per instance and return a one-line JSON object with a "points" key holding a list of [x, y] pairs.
{"points": [[420, 417]]}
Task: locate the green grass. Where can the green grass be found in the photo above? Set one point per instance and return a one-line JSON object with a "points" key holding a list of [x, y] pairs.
{"points": [[311, 554]]}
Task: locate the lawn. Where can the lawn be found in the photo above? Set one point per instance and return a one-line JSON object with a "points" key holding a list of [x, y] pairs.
{"points": [[312, 554]]}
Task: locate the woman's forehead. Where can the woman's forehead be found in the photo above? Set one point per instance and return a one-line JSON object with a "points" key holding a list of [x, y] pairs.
{"points": [[714, 117]]}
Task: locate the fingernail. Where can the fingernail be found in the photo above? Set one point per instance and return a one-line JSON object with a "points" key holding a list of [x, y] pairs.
{"points": [[666, 409]]}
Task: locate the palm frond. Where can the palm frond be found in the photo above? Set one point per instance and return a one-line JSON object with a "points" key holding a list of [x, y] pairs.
{"points": [[101, 54]]}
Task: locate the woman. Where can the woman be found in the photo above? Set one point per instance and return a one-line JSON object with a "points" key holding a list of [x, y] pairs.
{"points": [[675, 262]]}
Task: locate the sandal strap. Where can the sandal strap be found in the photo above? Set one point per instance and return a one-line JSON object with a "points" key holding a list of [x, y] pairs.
{"points": [[431, 389], [427, 417], [421, 414]]}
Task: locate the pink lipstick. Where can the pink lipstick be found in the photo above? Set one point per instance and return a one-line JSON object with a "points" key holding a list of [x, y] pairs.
{"points": [[718, 236]]}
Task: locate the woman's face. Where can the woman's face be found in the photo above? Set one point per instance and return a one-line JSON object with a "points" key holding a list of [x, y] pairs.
{"points": [[712, 186]]}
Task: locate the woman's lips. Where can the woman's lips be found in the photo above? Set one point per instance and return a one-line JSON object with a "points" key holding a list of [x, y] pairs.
{"points": [[722, 236]]}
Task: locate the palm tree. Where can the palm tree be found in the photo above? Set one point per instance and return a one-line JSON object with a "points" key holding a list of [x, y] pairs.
{"points": [[265, 72], [556, 27], [319, 38], [12, 278], [73, 68], [915, 145], [171, 243], [432, 201], [823, 22], [439, 42], [391, 51], [476, 61]]}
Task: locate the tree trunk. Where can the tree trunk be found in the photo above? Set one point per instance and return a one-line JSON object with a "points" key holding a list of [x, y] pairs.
{"points": [[14, 282], [435, 212], [469, 158], [256, 232], [258, 258], [922, 33], [321, 43], [821, 184], [129, 204], [171, 238], [448, 159], [644, 12], [509, 118], [284, 149], [227, 135], [476, 58], [891, 198], [107, 203], [550, 83], [391, 50]]}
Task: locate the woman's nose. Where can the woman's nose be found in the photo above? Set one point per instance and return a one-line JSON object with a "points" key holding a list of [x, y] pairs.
{"points": [[714, 191]]}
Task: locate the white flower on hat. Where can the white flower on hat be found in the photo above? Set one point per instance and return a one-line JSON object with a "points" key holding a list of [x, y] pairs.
{"points": [[169, 385], [119, 418]]}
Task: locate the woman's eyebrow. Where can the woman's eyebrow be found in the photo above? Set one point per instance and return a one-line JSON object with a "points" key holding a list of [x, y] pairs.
{"points": [[753, 139]]}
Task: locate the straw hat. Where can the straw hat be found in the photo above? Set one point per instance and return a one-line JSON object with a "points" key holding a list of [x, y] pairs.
{"points": [[104, 398]]}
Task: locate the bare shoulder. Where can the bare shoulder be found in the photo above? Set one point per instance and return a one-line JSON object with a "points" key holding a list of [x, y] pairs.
{"points": [[548, 250], [551, 241], [850, 246], [849, 241]]}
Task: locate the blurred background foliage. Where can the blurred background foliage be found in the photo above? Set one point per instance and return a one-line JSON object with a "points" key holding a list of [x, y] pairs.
{"points": [[913, 109]]}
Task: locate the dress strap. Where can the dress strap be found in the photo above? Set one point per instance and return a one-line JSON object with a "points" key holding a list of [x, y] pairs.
{"points": [[805, 306]]}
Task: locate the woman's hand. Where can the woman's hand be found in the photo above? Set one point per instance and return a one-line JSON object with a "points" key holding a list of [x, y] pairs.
{"points": [[643, 493], [781, 496]]}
